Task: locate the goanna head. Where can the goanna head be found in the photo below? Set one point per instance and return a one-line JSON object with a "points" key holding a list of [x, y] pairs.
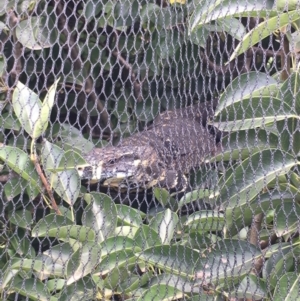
{"points": [[125, 167]]}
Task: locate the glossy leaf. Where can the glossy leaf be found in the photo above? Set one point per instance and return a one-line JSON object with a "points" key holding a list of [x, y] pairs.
{"points": [[202, 221], [17, 186], [128, 216], [33, 289], [287, 288], [7, 276], [146, 237], [21, 218], [200, 194], [207, 11], [286, 218], [44, 115], [164, 223], [62, 228], [253, 288], [244, 86], [217, 266], [169, 259], [263, 30], [100, 214], [175, 281], [233, 27], [83, 262], [241, 216], [60, 253], [254, 112], [27, 107], [19, 162], [161, 292], [82, 290], [116, 243], [242, 144], [36, 32], [65, 183], [119, 259], [277, 266], [9, 121], [245, 181]]}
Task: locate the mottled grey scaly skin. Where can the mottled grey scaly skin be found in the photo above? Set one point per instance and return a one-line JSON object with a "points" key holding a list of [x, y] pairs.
{"points": [[160, 156]]}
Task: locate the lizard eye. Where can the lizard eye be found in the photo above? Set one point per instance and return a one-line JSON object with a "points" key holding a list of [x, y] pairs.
{"points": [[111, 162]]}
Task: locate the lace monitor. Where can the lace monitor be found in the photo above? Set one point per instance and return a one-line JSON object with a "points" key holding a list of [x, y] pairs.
{"points": [[162, 155]]}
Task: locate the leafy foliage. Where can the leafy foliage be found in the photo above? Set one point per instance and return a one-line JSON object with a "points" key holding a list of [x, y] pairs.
{"points": [[82, 245]]}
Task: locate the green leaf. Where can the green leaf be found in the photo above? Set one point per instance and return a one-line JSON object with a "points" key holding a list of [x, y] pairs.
{"points": [[243, 182], [199, 194], [242, 144], [100, 214], [244, 86], [219, 265], [7, 276], [33, 289], [233, 27], [253, 288], [169, 259], [21, 218], [207, 11], [27, 107], [19, 162], [92, 8], [288, 91], [116, 243], [62, 228], [286, 218], [65, 183], [254, 112], [70, 160], [51, 155], [278, 265], [287, 288], [9, 121], [263, 30], [14, 187], [120, 258], [37, 32], [164, 223], [146, 237], [164, 198], [241, 216], [82, 290], [161, 292], [42, 123], [83, 262], [21, 244], [129, 216], [64, 233], [202, 221]]}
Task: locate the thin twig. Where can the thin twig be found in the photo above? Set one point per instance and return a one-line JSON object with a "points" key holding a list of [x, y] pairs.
{"points": [[46, 185]]}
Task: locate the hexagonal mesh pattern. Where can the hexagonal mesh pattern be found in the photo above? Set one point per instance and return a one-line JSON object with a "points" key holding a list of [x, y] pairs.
{"points": [[149, 150]]}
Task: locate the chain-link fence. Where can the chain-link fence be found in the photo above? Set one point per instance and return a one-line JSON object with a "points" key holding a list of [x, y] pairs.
{"points": [[149, 150]]}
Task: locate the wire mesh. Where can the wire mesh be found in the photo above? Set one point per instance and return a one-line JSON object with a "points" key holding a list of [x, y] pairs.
{"points": [[149, 150]]}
